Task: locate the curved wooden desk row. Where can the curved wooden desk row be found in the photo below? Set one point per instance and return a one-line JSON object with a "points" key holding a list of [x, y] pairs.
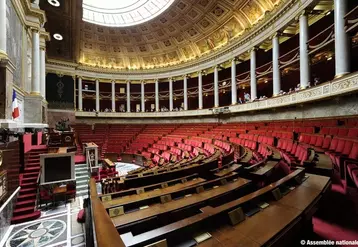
{"points": [[283, 216], [176, 192]]}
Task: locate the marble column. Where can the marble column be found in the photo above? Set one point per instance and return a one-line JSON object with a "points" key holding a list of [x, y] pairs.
{"points": [[97, 95], [253, 80], [341, 41], [233, 82], [304, 57], [142, 96], [35, 82], [185, 88], [170, 94], [2, 26], [276, 65], [80, 99], [43, 72], [128, 96], [216, 87], [200, 89], [113, 96], [157, 95]]}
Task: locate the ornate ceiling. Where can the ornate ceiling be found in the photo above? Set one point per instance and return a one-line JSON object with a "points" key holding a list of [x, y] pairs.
{"points": [[189, 29]]}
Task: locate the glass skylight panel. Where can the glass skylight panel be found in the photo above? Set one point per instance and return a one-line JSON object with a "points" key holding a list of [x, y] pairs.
{"points": [[120, 13]]}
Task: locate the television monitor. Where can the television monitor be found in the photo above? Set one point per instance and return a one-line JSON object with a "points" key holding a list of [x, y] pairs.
{"points": [[56, 167]]}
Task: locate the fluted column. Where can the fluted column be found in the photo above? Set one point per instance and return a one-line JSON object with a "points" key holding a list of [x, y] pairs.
{"points": [[142, 96], [233, 82], [157, 95], [304, 57], [128, 96], [170, 94], [276, 65], [35, 81], [2, 26], [113, 96], [80, 104], [341, 41], [216, 87], [185, 88], [200, 90], [253, 81], [42, 72], [97, 95]]}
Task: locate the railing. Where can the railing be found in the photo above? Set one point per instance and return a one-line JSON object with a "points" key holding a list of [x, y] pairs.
{"points": [[104, 231], [339, 86]]}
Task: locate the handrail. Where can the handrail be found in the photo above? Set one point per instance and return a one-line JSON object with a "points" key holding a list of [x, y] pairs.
{"points": [[105, 232]]}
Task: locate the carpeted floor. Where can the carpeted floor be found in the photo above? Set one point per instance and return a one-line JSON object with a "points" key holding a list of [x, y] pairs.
{"points": [[337, 216]]}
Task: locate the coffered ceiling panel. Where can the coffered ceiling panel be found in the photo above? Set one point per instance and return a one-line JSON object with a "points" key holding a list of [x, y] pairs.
{"points": [[187, 30]]}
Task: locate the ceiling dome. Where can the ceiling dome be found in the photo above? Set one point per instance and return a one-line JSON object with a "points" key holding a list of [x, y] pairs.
{"points": [[126, 13]]}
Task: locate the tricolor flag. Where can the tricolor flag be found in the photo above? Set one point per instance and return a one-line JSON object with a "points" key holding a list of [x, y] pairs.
{"points": [[15, 107]]}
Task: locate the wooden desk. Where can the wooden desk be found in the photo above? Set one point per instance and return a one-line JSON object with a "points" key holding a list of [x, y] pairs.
{"points": [[247, 157], [91, 145], [264, 170], [59, 190], [227, 171], [158, 209], [151, 194], [108, 163]]}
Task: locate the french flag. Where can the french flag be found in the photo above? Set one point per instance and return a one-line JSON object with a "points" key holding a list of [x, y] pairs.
{"points": [[15, 107]]}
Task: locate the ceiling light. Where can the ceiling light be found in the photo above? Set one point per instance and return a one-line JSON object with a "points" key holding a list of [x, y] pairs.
{"points": [[266, 81], [58, 36], [54, 3], [329, 58], [328, 13]]}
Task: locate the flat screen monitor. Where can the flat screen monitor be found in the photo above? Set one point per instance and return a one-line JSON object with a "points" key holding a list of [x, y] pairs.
{"points": [[57, 167]]}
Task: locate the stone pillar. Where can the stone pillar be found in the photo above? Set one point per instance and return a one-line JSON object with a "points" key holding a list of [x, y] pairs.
{"points": [[233, 82], [341, 41], [185, 88], [113, 96], [157, 95], [142, 96], [43, 72], [35, 82], [97, 95], [80, 98], [253, 82], [2, 27], [170, 94], [128, 96], [200, 89], [276, 65], [304, 57], [216, 87]]}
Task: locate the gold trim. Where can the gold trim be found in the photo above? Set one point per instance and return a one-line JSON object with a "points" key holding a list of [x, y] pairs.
{"points": [[35, 94]]}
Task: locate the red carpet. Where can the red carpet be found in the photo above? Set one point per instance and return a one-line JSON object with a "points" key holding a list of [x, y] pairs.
{"points": [[25, 207], [337, 217], [80, 159]]}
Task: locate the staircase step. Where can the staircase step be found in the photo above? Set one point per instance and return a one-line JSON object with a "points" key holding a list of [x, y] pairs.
{"points": [[22, 210], [30, 174], [27, 196], [26, 203], [26, 217], [27, 185], [32, 169], [27, 190]]}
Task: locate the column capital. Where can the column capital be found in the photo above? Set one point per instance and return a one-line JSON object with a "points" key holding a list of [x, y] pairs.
{"points": [[276, 34], [255, 48], [34, 29], [79, 76], [113, 81], [302, 13]]}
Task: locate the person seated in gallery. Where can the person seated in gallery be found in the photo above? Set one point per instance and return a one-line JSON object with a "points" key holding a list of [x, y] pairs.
{"points": [[239, 100], [298, 87], [290, 91], [181, 109], [281, 92], [246, 97]]}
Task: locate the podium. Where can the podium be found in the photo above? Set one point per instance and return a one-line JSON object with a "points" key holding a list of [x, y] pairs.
{"points": [[91, 153]]}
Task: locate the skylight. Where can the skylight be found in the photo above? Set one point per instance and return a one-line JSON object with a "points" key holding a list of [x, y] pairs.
{"points": [[123, 13]]}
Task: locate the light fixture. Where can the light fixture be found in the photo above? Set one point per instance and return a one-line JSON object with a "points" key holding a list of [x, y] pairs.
{"points": [[329, 58], [54, 3], [266, 81], [58, 36], [328, 13]]}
